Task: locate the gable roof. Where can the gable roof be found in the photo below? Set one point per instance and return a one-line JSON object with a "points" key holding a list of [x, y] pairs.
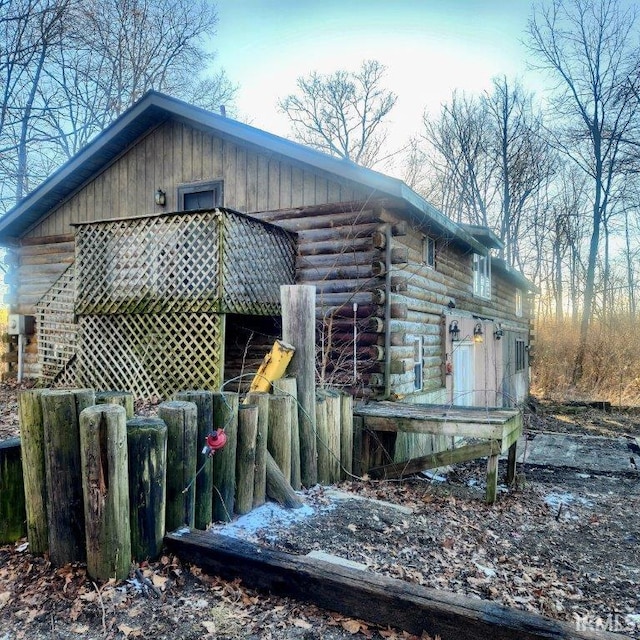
{"points": [[153, 109]]}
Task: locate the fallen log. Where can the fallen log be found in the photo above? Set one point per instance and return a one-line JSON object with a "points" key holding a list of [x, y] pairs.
{"points": [[363, 594]]}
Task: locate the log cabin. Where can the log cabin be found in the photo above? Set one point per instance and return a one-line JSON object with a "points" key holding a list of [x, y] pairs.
{"points": [[152, 261]]}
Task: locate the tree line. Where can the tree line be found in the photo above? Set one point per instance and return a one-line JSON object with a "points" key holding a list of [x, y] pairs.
{"points": [[557, 180], [70, 67]]}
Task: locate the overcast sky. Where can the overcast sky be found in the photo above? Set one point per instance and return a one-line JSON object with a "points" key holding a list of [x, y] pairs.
{"points": [[430, 48]]}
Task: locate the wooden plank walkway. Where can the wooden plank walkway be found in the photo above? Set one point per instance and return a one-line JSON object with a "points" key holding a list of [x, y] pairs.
{"points": [[497, 429]]}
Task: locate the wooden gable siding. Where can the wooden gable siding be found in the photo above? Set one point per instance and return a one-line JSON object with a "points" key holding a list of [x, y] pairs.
{"points": [[175, 154]]}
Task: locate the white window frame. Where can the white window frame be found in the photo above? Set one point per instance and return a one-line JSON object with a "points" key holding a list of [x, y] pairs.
{"points": [[520, 357], [482, 276], [429, 251], [519, 303], [191, 188], [418, 362]]}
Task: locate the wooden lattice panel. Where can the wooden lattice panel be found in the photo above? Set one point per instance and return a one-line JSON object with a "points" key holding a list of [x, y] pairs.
{"points": [[152, 355], [194, 262], [257, 259], [56, 330]]}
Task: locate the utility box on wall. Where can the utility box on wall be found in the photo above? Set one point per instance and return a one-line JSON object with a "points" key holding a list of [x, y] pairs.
{"points": [[19, 325]]}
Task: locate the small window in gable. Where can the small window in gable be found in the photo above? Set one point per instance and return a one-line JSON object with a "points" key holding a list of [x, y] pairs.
{"points": [[429, 251], [519, 303], [482, 276], [200, 195]]}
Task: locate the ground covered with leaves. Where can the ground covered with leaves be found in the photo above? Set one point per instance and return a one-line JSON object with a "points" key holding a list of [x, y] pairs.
{"points": [[565, 544]]}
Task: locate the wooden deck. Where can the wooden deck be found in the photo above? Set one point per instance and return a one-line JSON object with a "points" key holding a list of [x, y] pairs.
{"points": [[493, 431]]}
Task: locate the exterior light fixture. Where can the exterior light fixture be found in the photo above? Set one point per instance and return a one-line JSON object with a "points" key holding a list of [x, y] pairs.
{"points": [[454, 331], [478, 333], [161, 198], [499, 332]]}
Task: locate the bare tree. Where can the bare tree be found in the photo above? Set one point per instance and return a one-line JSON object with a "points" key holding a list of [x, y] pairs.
{"points": [[587, 46], [343, 113]]}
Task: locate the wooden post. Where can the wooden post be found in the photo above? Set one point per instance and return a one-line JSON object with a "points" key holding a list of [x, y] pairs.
{"points": [[346, 436], [225, 416], [121, 398], [33, 468], [147, 447], [358, 423], [492, 479], [289, 387], [299, 330], [278, 487], [182, 434], [204, 482], [333, 434], [279, 442], [13, 513], [246, 456], [260, 476], [324, 468], [511, 463], [105, 485], [274, 365], [65, 504]]}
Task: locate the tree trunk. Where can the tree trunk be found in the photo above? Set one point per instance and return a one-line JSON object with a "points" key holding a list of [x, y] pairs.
{"points": [[147, 448], [182, 450], [33, 468], [105, 485]]}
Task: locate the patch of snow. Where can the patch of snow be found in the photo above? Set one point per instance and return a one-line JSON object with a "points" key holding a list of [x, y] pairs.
{"points": [[554, 500], [434, 476], [270, 514]]}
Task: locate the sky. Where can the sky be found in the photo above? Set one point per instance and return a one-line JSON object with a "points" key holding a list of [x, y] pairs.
{"points": [[430, 48]]}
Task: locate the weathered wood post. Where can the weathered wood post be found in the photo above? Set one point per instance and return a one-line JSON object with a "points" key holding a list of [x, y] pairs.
{"points": [[278, 487], [279, 442], [333, 434], [65, 504], [33, 468], [299, 329], [13, 513], [182, 451], [105, 486], [246, 456], [204, 482], [260, 476], [225, 416], [147, 446], [289, 387], [121, 398], [346, 435], [324, 468]]}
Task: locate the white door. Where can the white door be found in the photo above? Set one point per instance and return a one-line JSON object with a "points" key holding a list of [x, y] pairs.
{"points": [[463, 374]]}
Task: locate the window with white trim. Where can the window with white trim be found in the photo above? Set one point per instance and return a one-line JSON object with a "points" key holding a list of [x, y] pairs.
{"points": [[519, 303], [482, 276], [429, 251], [418, 355]]}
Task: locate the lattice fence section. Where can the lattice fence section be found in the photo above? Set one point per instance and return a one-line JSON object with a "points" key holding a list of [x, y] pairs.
{"points": [[257, 259], [151, 355], [56, 330], [175, 263]]}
